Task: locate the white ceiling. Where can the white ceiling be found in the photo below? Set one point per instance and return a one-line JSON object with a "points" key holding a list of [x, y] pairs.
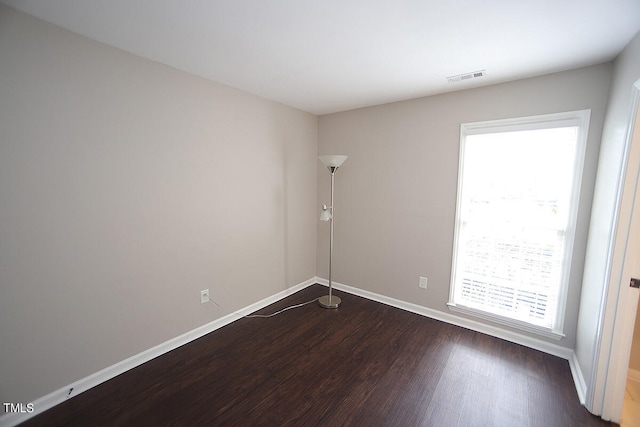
{"points": [[325, 56]]}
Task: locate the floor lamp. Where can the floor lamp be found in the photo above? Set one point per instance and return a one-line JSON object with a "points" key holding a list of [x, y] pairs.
{"points": [[332, 163]]}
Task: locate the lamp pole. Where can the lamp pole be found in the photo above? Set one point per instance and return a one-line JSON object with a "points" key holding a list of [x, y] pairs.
{"points": [[331, 302]]}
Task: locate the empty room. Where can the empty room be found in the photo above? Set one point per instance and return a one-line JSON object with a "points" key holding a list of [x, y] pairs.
{"points": [[264, 213]]}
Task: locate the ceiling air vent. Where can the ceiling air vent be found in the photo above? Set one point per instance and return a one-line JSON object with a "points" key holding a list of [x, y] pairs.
{"points": [[466, 76]]}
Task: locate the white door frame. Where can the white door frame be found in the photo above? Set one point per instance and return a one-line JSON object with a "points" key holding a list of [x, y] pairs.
{"points": [[621, 302]]}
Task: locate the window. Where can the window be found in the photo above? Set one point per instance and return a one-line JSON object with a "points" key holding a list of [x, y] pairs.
{"points": [[518, 191]]}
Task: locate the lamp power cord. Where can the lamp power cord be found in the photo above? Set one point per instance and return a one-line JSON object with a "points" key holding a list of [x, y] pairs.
{"points": [[280, 311], [265, 316]]}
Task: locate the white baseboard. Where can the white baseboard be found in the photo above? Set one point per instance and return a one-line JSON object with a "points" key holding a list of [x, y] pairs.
{"points": [[494, 331], [55, 398], [546, 347], [578, 378]]}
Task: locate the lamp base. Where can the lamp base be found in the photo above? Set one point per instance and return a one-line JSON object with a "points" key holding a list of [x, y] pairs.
{"points": [[326, 303]]}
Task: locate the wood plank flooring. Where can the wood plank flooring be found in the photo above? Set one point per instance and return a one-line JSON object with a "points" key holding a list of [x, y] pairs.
{"points": [[363, 364]]}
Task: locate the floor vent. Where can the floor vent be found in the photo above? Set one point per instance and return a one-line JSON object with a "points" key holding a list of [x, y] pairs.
{"points": [[466, 76]]}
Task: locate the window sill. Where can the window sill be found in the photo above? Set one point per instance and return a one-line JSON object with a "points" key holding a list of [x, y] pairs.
{"points": [[516, 324]]}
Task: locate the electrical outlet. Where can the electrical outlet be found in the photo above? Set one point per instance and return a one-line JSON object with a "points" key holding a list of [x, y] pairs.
{"points": [[204, 296], [423, 283]]}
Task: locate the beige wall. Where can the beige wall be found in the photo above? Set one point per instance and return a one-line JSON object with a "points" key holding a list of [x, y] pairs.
{"points": [[126, 187], [396, 194]]}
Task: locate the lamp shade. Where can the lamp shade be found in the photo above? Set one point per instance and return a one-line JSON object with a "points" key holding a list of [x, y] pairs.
{"points": [[333, 161]]}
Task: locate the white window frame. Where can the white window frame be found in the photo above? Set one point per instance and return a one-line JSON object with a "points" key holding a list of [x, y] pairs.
{"points": [[572, 118]]}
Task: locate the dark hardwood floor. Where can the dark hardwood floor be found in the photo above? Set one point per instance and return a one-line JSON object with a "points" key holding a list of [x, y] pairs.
{"points": [[364, 364]]}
